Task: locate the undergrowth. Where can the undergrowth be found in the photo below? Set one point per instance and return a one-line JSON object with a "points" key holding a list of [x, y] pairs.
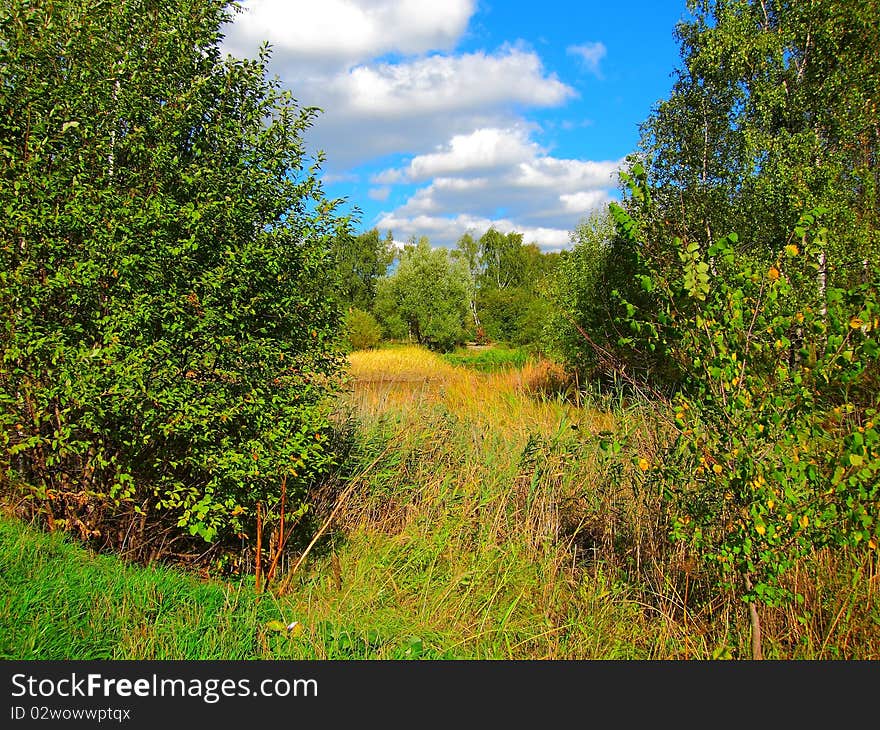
{"points": [[476, 516]]}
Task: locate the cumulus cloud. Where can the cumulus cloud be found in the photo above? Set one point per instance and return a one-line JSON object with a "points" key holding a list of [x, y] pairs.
{"points": [[407, 106], [496, 176], [334, 55], [390, 82], [447, 230], [443, 83], [347, 31], [591, 55], [482, 149]]}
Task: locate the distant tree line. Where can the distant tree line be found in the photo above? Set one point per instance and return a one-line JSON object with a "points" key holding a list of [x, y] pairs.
{"points": [[485, 289]]}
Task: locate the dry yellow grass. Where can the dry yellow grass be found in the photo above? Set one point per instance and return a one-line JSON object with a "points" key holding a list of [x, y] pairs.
{"points": [[512, 402], [462, 530]]}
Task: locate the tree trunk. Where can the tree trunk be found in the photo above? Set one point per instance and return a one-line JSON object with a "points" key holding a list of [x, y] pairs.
{"points": [[755, 622]]}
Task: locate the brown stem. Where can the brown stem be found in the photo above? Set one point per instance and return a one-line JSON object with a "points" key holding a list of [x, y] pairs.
{"points": [[259, 547], [755, 621], [280, 546]]}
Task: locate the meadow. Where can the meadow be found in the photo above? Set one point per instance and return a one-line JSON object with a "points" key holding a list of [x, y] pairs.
{"points": [[476, 516]]}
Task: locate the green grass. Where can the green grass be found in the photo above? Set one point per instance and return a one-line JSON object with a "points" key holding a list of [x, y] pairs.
{"points": [[490, 359], [58, 601], [61, 602]]}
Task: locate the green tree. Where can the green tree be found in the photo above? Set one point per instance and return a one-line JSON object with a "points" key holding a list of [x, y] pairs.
{"points": [[773, 112], [165, 348], [510, 282], [502, 259], [467, 250], [426, 299], [360, 262], [580, 290]]}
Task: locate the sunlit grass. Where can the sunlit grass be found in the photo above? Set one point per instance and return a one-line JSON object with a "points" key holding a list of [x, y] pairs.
{"points": [[461, 533], [475, 519]]}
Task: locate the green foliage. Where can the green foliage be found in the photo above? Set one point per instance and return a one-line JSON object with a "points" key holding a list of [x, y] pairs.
{"points": [[775, 448], [361, 330], [360, 262], [515, 315], [596, 290], [774, 111], [502, 259], [165, 345], [510, 298], [579, 291], [426, 298], [490, 359]]}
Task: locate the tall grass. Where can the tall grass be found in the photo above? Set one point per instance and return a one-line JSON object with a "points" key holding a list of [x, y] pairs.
{"points": [[489, 359], [497, 518], [480, 516]]}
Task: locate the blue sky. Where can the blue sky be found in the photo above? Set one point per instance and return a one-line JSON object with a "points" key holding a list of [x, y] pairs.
{"points": [[447, 117]]}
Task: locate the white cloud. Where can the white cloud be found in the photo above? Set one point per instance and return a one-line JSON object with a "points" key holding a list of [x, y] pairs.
{"points": [[585, 200], [482, 149], [568, 175], [504, 177], [347, 31], [447, 230], [389, 82], [407, 107], [380, 193], [328, 54], [591, 54], [443, 83], [371, 110]]}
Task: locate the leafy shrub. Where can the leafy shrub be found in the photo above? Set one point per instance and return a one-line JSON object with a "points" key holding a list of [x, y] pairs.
{"points": [[775, 442], [361, 330], [166, 345]]}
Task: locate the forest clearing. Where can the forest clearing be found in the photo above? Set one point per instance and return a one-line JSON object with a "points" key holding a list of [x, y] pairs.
{"points": [[610, 388]]}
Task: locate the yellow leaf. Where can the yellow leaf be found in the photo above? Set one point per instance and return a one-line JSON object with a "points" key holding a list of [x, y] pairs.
{"points": [[804, 521], [856, 323]]}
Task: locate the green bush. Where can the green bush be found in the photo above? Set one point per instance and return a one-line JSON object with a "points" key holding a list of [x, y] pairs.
{"points": [[774, 441], [361, 330], [166, 344]]}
